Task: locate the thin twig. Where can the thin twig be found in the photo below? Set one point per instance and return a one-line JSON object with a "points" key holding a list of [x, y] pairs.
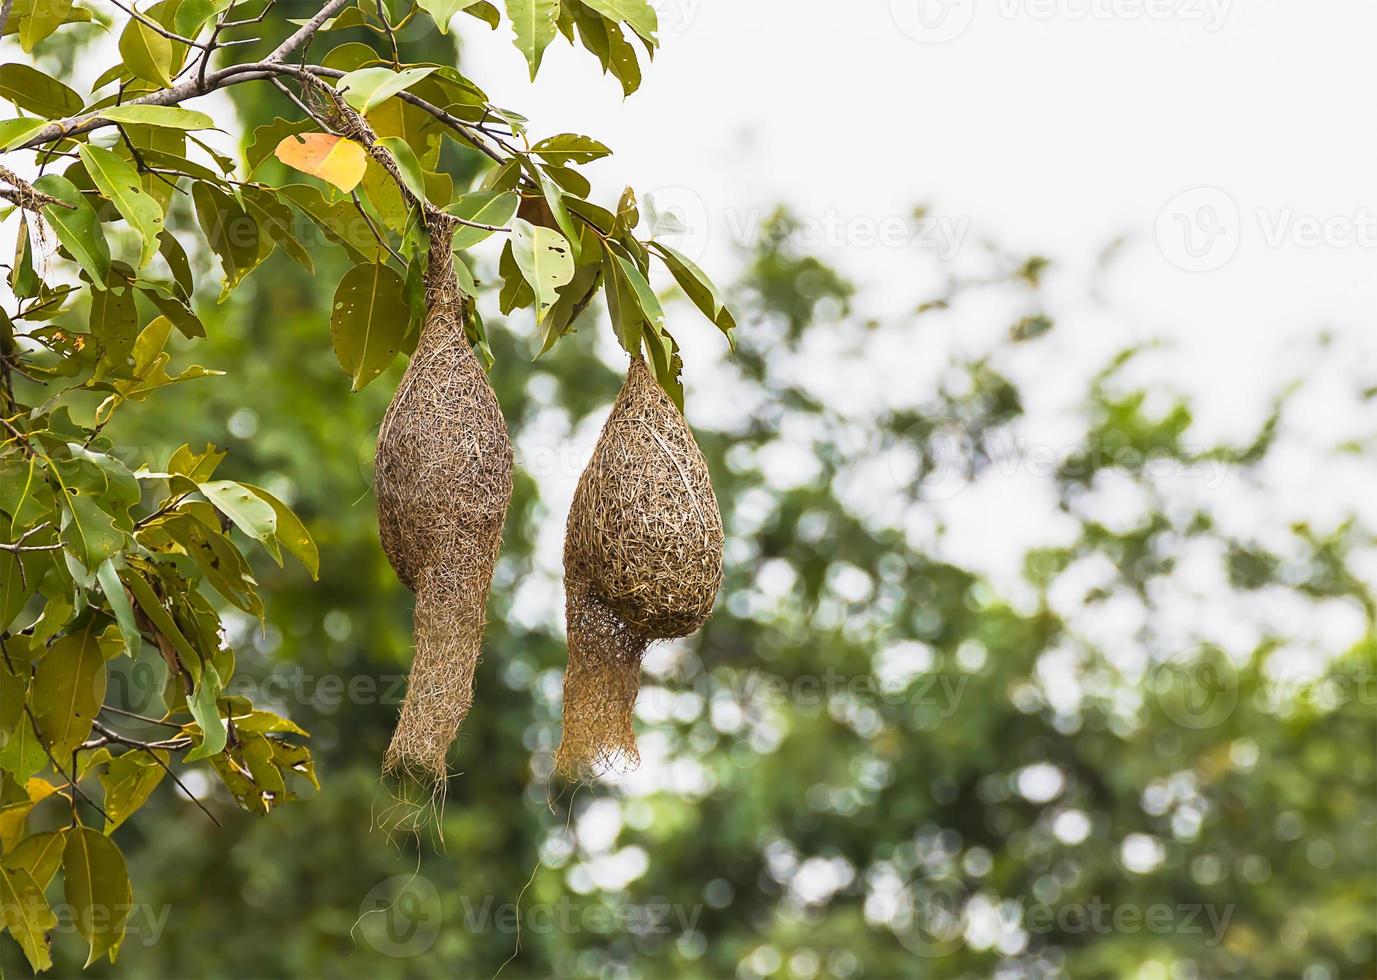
{"points": [[374, 228], [152, 750], [137, 717], [154, 26], [391, 34], [57, 767]]}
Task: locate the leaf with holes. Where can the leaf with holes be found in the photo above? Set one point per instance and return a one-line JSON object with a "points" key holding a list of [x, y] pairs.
{"points": [[638, 15], [570, 148], [368, 321], [250, 513], [535, 23], [544, 258]]}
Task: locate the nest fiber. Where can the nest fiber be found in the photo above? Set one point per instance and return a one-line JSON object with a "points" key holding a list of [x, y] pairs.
{"points": [[443, 482], [642, 562]]}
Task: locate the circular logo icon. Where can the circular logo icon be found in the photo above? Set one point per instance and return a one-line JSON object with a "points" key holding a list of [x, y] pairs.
{"points": [[678, 217], [937, 455], [938, 920], [400, 917], [932, 21], [1200, 230], [1197, 689]]}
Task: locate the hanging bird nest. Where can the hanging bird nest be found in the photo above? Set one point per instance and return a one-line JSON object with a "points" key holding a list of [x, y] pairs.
{"points": [[642, 562], [443, 483]]}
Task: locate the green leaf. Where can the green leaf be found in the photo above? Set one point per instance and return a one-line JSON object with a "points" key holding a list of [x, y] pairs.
{"points": [[339, 221], [366, 321], [266, 138], [38, 854], [68, 688], [407, 165], [22, 753], [192, 15], [113, 588], [699, 289], [444, 10], [277, 220], [291, 532], [90, 533], [44, 17], [158, 616], [118, 181], [31, 90], [16, 131], [365, 88], [554, 198], [77, 227], [146, 53], [646, 303], [573, 300], [621, 303], [639, 15], [114, 322], [543, 256], [231, 231], [128, 781], [570, 148], [96, 885], [27, 916], [204, 705], [535, 23], [485, 12], [666, 363], [249, 512], [166, 116], [484, 208], [621, 57]]}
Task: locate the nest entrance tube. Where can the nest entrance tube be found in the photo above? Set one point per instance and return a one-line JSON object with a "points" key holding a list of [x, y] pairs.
{"points": [[642, 562], [443, 483]]}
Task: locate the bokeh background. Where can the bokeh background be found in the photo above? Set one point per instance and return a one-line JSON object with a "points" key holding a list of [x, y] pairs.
{"points": [[1046, 642]]}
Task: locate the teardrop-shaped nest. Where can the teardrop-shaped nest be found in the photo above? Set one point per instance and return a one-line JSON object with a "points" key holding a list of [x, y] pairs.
{"points": [[443, 483], [642, 562]]}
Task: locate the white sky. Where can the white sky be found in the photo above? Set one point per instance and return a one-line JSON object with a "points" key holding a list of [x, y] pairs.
{"points": [[1050, 126]]}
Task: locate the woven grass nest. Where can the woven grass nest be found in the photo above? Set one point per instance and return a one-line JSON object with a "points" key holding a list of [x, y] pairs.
{"points": [[443, 483], [642, 562]]}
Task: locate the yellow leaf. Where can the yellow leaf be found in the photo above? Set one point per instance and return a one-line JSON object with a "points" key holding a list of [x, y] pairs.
{"points": [[334, 159]]}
